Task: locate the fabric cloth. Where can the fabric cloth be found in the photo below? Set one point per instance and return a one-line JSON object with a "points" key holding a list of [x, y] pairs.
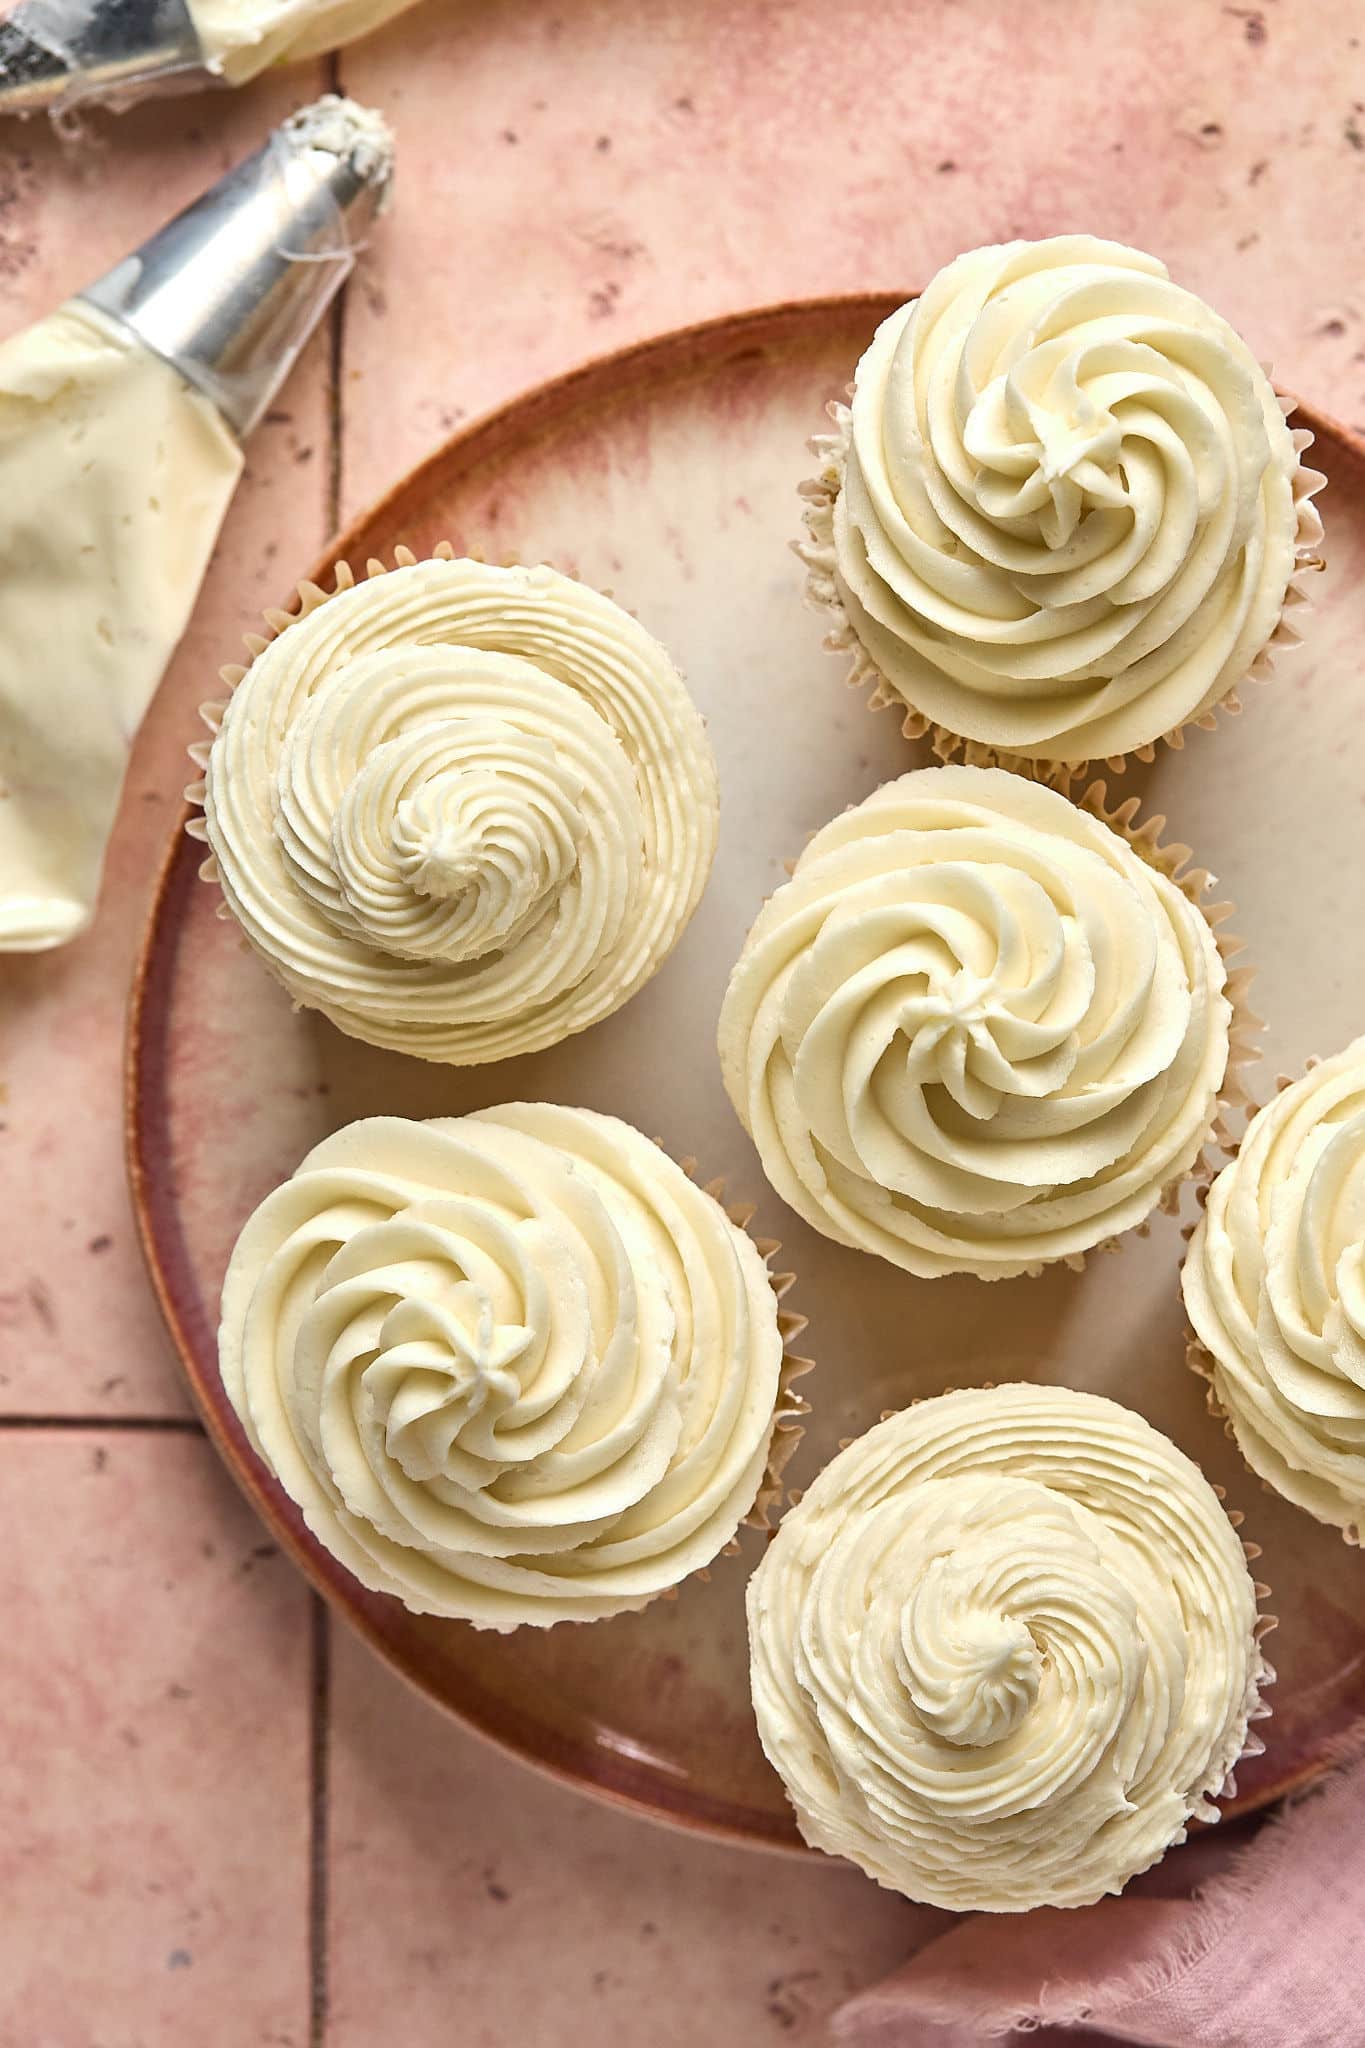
{"points": [[1267, 1953]]}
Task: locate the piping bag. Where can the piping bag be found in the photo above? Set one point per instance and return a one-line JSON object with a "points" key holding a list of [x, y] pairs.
{"points": [[60, 54], [121, 422]]}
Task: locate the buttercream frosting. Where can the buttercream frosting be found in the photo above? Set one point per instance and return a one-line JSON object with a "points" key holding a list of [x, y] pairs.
{"points": [[1003, 1650], [1063, 514], [976, 1031], [463, 811], [1274, 1284], [240, 38], [114, 477], [513, 1367]]}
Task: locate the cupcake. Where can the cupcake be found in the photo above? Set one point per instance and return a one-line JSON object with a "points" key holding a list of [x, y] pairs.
{"points": [[1274, 1285], [1005, 1649], [513, 1367], [980, 1028], [462, 811], [1064, 513]]}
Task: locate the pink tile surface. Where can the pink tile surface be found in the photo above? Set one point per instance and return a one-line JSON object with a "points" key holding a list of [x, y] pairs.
{"points": [[573, 173], [154, 1798], [583, 172], [444, 1856]]}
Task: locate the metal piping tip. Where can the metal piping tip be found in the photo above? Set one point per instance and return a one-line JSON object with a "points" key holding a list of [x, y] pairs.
{"points": [[230, 290], [56, 53]]}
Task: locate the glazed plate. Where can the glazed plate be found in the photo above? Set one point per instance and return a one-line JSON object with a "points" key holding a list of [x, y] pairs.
{"points": [[668, 476]]}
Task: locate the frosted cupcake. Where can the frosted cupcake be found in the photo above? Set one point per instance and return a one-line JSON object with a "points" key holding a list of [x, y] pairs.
{"points": [[513, 1367], [980, 1028], [1274, 1285], [462, 811], [1005, 1649], [1062, 517]]}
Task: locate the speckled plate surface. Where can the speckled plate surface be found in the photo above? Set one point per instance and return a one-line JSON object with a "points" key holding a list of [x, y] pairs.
{"points": [[668, 475]]}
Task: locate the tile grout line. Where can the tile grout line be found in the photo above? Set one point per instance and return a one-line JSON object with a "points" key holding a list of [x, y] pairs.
{"points": [[319, 1722], [320, 1661], [336, 350], [176, 1425]]}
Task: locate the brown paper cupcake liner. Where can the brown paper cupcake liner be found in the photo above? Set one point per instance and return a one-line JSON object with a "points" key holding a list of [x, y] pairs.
{"points": [[1173, 860], [788, 1425], [1262, 1676], [822, 594]]}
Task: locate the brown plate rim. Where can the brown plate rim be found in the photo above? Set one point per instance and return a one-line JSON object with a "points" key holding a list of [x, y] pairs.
{"points": [[542, 408]]}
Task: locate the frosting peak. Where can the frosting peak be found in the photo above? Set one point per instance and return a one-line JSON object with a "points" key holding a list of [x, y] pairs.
{"points": [[438, 1365]]}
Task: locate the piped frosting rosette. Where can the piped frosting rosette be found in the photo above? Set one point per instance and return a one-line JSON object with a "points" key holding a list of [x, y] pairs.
{"points": [[1274, 1286], [980, 1028], [463, 811], [1062, 518], [513, 1367], [1005, 1649]]}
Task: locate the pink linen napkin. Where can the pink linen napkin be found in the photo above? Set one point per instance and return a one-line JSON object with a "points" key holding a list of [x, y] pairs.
{"points": [[1268, 1953]]}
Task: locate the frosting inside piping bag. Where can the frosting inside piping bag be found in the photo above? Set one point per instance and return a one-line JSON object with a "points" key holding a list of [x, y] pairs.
{"points": [[114, 478], [241, 37]]}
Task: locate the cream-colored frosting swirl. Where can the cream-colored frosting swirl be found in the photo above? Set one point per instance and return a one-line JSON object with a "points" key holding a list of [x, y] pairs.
{"points": [[975, 1031], [1004, 1649], [463, 811], [513, 1367], [1274, 1284], [1067, 517]]}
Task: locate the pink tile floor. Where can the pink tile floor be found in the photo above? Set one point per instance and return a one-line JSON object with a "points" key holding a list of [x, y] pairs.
{"points": [[220, 1824]]}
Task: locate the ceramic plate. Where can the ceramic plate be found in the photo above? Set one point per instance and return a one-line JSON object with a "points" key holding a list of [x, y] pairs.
{"points": [[668, 475]]}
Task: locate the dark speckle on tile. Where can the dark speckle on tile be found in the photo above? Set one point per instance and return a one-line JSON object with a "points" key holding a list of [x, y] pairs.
{"points": [[257, 1555], [40, 1301]]}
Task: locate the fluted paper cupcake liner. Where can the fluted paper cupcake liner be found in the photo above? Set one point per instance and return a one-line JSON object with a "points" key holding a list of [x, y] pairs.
{"points": [[816, 551], [791, 1407], [1260, 1679], [1174, 860]]}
